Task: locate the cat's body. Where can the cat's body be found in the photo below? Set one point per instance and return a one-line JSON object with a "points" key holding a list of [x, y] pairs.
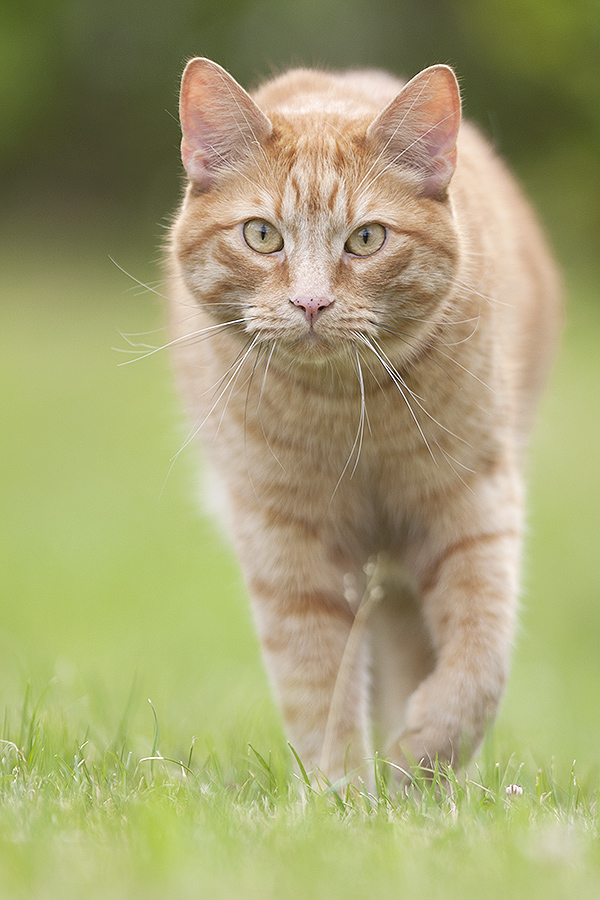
{"points": [[364, 401]]}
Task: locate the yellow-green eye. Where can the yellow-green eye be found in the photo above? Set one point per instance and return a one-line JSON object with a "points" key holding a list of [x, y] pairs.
{"points": [[365, 240], [262, 236]]}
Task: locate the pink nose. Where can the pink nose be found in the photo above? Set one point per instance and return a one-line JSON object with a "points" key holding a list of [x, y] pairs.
{"points": [[312, 306]]}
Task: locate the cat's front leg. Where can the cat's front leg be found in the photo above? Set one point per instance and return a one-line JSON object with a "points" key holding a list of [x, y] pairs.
{"points": [[304, 622], [469, 578]]}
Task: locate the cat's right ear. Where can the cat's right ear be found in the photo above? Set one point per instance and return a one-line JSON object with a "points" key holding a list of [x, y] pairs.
{"points": [[219, 120]]}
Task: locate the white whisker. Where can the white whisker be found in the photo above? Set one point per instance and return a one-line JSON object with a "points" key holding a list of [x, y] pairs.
{"points": [[358, 440], [450, 459], [141, 284], [229, 377], [128, 335], [400, 385], [492, 301], [467, 338], [233, 382], [418, 399], [468, 371], [258, 409], [189, 336]]}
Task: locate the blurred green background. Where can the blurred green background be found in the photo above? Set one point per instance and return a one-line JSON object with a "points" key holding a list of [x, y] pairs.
{"points": [[114, 588], [88, 89]]}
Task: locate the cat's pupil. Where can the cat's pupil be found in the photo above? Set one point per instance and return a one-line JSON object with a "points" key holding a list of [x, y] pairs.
{"points": [[263, 231], [365, 234]]}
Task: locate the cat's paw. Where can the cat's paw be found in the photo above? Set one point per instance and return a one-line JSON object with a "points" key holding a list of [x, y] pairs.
{"points": [[446, 722]]}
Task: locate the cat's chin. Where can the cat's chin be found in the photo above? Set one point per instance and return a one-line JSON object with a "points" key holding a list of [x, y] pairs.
{"points": [[311, 348]]}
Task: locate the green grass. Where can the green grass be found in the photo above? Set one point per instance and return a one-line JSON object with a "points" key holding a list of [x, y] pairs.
{"points": [[116, 590]]}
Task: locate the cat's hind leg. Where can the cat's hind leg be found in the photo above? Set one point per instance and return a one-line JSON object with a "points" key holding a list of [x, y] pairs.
{"points": [[401, 655]]}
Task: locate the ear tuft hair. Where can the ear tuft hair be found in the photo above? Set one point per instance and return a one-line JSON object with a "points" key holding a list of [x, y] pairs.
{"points": [[419, 128]]}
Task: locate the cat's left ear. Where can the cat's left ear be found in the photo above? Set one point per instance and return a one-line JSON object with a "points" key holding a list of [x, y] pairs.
{"points": [[419, 128], [219, 120]]}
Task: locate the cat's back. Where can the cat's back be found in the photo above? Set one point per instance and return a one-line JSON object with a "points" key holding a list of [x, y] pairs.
{"points": [[509, 267]]}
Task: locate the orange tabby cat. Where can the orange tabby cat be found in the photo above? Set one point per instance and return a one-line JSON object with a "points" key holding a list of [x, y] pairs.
{"points": [[365, 313]]}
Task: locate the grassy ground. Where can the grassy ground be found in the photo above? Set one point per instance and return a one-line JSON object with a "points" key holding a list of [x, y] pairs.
{"points": [[116, 590]]}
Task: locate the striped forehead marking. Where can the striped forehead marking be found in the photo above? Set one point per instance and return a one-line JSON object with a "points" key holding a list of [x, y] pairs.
{"points": [[315, 187]]}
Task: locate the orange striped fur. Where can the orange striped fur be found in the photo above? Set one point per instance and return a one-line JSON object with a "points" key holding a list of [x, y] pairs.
{"points": [[363, 406]]}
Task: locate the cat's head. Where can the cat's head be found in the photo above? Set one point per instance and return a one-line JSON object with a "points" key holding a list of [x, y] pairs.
{"points": [[314, 222]]}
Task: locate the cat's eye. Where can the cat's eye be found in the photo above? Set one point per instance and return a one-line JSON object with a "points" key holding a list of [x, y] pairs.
{"points": [[365, 240], [262, 236]]}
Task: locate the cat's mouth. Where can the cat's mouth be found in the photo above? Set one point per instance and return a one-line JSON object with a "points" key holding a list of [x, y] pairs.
{"points": [[313, 346], [312, 336], [310, 341]]}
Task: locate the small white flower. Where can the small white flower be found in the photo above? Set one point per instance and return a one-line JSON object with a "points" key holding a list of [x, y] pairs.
{"points": [[514, 790]]}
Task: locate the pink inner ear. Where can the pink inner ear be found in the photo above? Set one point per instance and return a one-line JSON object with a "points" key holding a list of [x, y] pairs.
{"points": [[219, 120], [419, 128]]}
